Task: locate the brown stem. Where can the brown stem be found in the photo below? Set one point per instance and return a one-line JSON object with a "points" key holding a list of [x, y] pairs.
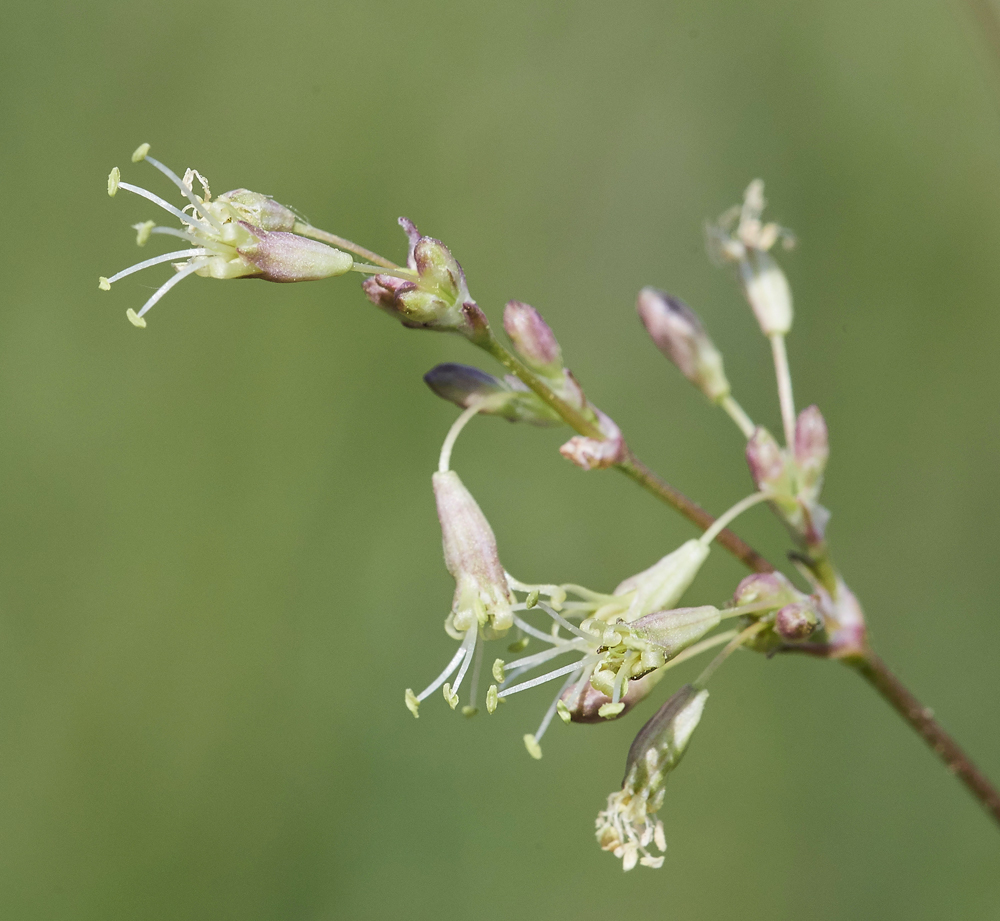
{"points": [[877, 674]]}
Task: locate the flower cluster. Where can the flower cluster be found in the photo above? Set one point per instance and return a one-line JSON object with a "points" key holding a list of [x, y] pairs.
{"points": [[608, 651]]}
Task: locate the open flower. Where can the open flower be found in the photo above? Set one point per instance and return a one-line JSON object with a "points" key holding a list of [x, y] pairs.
{"points": [[242, 234]]}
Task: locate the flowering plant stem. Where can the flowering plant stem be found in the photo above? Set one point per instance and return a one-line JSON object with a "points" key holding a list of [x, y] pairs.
{"points": [[864, 661]]}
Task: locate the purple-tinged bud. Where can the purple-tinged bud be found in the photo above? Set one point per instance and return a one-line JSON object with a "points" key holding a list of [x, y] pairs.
{"points": [[768, 464], [470, 554], [678, 333], [594, 453], [286, 257], [463, 385], [438, 298], [767, 588], [673, 631], [661, 586], [796, 621], [260, 210], [812, 448], [532, 337]]}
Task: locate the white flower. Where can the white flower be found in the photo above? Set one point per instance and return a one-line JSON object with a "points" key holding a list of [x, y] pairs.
{"points": [[241, 234]]}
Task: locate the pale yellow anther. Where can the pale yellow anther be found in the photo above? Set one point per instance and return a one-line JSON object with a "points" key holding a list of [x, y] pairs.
{"points": [[534, 749], [498, 671], [469, 711], [606, 711], [143, 231], [450, 695], [491, 699], [518, 645], [532, 599], [140, 153], [114, 177], [412, 704], [103, 284], [135, 319], [563, 712]]}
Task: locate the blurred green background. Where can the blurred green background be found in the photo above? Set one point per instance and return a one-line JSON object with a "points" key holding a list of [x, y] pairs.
{"points": [[220, 562]]}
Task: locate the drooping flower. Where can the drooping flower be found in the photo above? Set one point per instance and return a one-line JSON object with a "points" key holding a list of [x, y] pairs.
{"points": [[241, 234], [629, 824]]}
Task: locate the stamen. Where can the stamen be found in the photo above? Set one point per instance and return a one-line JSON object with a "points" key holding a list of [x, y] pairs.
{"points": [[136, 318], [166, 206], [188, 193], [443, 677], [542, 679], [469, 648], [529, 662], [551, 712], [559, 619], [726, 518], [531, 631], [471, 709], [156, 260]]}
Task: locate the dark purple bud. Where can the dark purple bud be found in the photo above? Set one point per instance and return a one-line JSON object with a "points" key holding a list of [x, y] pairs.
{"points": [[533, 339], [678, 333], [461, 384]]}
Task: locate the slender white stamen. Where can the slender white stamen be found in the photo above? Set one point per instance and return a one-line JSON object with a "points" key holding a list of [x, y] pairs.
{"points": [[541, 657], [166, 206], [156, 260], [531, 631], [551, 712], [559, 619], [188, 193], [476, 668], [443, 677], [469, 648], [542, 679], [174, 232], [136, 318]]}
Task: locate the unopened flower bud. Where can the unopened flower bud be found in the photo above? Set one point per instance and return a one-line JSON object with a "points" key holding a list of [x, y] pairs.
{"points": [[661, 585], [595, 453], [628, 825], [767, 588], [286, 257], [463, 385], [532, 337], [767, 290], [796, 621], [438, 299], [673, 631], [678, 333], [812, 448], [768, 464], [470, 553]]}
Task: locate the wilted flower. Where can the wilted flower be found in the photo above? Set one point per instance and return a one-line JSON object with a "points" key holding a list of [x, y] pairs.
{"points": [[629, 824], [242, 234], [740, 238]]}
